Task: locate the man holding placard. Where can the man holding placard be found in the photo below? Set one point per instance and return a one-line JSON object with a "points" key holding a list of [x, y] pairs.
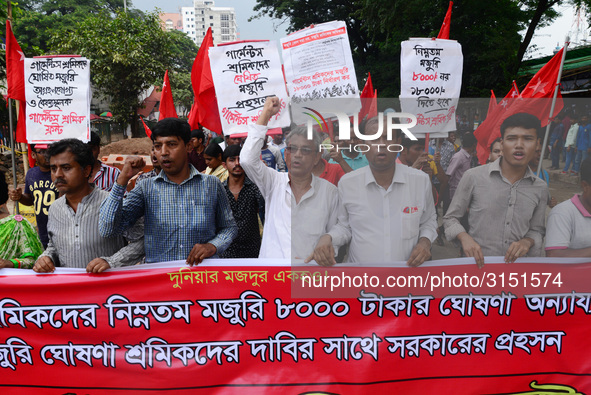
{"points": [[297, 194]]}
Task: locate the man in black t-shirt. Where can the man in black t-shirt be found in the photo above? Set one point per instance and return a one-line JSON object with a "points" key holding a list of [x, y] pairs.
{"points": [[39, 190]]}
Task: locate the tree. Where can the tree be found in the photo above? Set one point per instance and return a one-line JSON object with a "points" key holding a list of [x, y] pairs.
{"points": [[127, 55], [40, 19]]}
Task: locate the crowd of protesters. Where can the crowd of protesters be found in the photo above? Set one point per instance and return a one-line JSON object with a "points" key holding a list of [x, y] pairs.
{"points": [[284, 197]]}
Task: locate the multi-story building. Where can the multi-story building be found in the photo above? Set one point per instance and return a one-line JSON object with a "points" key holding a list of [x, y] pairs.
{"points": [[203, 15], [172, 21]]}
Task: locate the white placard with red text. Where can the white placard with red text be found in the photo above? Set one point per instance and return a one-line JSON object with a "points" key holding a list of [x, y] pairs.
{"points": [[430, 83], [57, 90], [319, 68], [244, 75]]}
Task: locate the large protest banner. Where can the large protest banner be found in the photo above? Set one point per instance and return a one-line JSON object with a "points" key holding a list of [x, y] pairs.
{"points": [[58, 96], [430, 83], [319, 68], [224, 328], [244, 75]]}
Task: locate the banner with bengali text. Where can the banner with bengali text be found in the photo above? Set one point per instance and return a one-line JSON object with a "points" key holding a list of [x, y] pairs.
{"points": [[319, 65], [245, 74], [235, 326], [58, 96], [431, 80]]}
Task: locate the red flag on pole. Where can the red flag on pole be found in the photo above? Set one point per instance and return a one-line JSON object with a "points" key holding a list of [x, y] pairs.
{"points": [[535, 99], [203, 88], [194, 116], [21, 125], [366, 96], [444, 31], [492, 104], [147, 129], [15, 66], [167, 109]]}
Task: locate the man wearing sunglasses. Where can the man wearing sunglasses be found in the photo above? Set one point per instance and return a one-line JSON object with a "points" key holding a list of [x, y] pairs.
{"points": [[311, 202], [387, 211]]}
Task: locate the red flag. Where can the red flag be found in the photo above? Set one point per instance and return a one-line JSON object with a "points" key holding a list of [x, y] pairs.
{"points": [[203, 88], [15, 66], [167, 109], [535, 99], [492, 104], [194, 116], [21, 125], [366, 96], [444, 31], [373, 108], [148, 131]]}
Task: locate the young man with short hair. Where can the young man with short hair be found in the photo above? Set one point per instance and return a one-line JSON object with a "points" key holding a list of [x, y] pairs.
{"points": [[246, 202], [102, 175], [187, 214], [40, 191], [74, 238], [195, 155], [568, 232], [505, 199]]}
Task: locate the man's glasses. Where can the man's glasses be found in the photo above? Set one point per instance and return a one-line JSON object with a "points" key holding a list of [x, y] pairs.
{"points": [[292, 149]]}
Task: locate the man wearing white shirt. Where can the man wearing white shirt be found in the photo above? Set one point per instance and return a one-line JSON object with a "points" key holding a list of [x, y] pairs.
{"points": [[387, 211], [310, 201]]}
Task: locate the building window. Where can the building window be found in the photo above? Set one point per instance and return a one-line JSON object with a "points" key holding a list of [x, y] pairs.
{"points": [[211, 17], [225, 17], [225, 31], [226, 24], [225, 38], [211, 24]]}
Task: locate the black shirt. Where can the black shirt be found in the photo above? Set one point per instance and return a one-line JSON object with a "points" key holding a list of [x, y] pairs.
{"points": [[250, 201]]}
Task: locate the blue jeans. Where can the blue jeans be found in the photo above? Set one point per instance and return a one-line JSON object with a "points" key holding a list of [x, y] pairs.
{"points": [[569, 158], [580, 157]]}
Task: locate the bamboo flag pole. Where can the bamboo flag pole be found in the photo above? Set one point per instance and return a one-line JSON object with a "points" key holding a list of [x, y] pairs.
{"points": [[556, 88], [10, 125]]}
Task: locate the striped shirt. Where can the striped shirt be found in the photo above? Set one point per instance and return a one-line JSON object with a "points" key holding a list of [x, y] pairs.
{"points": [[74, 238], [177, 216], [106, 177]]}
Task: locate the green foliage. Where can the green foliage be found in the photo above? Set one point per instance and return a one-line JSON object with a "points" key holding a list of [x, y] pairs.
{"points": [[127, 55], [182, 92]]}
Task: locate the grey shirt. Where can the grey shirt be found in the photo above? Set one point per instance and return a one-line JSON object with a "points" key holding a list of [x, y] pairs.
{"points": [[74, 237], [569, 226], [500, 213]]}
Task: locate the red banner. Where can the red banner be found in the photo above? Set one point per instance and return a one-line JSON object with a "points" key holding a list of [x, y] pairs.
{"points": [[237, 329]]}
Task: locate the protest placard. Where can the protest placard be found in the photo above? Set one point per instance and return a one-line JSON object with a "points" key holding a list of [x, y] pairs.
{"points": [[58, 96], [319, 68], [430, 84], [244, 75]]}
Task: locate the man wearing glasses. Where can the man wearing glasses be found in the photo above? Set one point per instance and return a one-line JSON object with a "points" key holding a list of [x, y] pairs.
{"points": [[309, 200]]}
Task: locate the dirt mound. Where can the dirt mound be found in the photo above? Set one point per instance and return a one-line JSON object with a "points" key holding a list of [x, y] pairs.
{"points": [[141, 146]]}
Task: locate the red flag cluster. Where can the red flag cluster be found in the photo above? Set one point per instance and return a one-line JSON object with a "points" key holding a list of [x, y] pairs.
{"points": [[15, 80], [536, 99], [205, 107]]}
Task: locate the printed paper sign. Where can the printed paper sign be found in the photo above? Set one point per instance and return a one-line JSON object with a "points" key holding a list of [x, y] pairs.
{"points": [[244, 75], [319, 66], [58, 99], [430, 83]]}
